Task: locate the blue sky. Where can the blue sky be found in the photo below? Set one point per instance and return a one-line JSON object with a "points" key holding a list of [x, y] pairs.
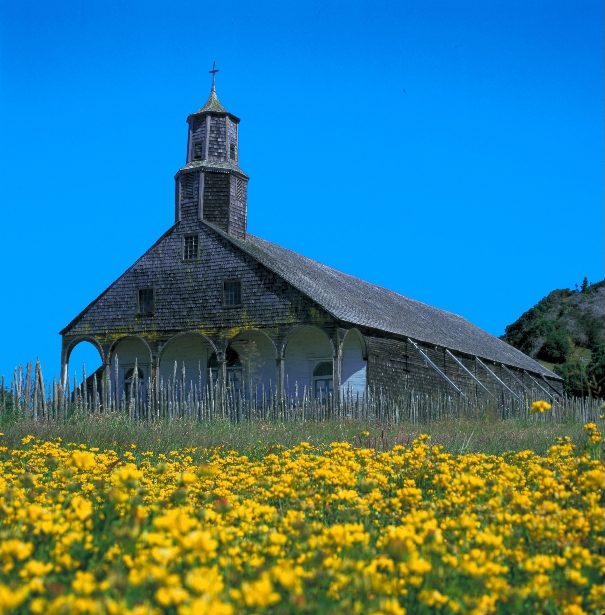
{"points": [[451, 151]]}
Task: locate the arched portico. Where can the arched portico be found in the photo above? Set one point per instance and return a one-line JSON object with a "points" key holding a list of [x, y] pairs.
{"points": [[69, 345], [306, 349], [85, 348], [191, 350], [257, 356], [124, 354], [353, 368]]}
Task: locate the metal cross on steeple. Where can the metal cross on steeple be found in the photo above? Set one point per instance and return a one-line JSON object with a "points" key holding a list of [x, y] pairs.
{"points": [[213, 71]]}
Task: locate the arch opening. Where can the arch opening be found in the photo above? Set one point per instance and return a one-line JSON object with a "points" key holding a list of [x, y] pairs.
{"points": [[353, 366], [190, 352], [306, 350], [83, 361], [127, 353], [257, 357], [323, 379], [234, 370]]}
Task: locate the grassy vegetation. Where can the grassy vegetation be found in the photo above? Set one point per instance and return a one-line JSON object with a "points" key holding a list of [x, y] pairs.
{"points": [[490, 436], [305, 530]]}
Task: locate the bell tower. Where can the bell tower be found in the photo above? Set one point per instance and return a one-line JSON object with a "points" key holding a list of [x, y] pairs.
{"points": [[211, 186]]}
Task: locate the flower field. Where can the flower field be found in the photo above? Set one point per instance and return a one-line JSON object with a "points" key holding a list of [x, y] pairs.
{"points": [[301, 530]]}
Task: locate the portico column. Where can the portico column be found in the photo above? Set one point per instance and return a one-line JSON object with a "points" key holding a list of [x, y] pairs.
{"points": [[221, 389], [337, 341], [279, 374]]}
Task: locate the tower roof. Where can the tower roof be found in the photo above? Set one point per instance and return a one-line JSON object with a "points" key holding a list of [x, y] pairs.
{"points": [[212, 104]]}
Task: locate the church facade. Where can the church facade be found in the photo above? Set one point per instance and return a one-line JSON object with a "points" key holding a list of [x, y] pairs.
{"points": [[240, 311]]}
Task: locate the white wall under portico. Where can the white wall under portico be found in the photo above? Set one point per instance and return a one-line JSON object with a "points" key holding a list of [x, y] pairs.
{"points": [[305, 349], [191, 350], [353, 367]]}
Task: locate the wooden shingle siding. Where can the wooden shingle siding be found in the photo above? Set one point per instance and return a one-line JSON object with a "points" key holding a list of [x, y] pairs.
{"points": [[238, 207], [217, 142], [188, 295], [216, 199]]}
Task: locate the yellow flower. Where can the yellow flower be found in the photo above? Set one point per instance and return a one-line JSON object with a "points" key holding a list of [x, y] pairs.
{"points": [[206, 606], [540, 406], [188, 478], [129, 475], [84, 583], [11, 599], [34, 568], [82, 507], [83, 460], [258, 593], [169, 596]]}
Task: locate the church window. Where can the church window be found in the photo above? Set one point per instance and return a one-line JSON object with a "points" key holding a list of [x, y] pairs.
{"points": [[239, 189], [323, 379], [232, 293], [146, 301], [188, 185], [198, 151], [190, 247], [232, 151]]}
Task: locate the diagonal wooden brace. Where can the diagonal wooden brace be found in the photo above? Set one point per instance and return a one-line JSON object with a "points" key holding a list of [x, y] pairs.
{"points": [[489, 371], [557, 394], [426, 358], [470, 373], [512, 375], [538, 384]]}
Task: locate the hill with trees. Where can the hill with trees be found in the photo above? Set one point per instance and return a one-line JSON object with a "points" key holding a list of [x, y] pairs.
{"points": [[565, 331]]}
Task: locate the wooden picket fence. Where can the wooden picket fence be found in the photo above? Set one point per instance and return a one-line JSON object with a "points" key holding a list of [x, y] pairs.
{"points": [[29, 396]]}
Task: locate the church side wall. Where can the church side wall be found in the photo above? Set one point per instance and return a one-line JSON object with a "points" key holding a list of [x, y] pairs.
{"points": [[395, 366], [387, 365]]}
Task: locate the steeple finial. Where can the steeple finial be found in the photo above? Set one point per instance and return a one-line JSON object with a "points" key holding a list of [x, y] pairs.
{"points": [[213, 71]]}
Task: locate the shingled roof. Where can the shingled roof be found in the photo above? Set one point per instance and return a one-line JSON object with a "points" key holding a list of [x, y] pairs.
{"points": [[357, 302], [212, 104], [213, 165]]}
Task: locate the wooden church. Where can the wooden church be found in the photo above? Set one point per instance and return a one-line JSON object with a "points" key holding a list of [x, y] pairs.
{"points": [[233, 308]]}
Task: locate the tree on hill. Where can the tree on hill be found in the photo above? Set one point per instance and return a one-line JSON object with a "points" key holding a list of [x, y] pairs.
{"points": [[559, 330], [595, 372]]}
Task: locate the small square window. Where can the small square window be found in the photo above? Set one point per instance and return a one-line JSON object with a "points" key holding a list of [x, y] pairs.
{"points": [[232, 151], [190, 247], [146, 301], [232, 292]]}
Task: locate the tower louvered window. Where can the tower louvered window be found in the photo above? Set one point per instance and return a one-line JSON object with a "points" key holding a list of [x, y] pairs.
{"points": [[232, 151], [198, 151], [188, 185], [239, 189]]}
